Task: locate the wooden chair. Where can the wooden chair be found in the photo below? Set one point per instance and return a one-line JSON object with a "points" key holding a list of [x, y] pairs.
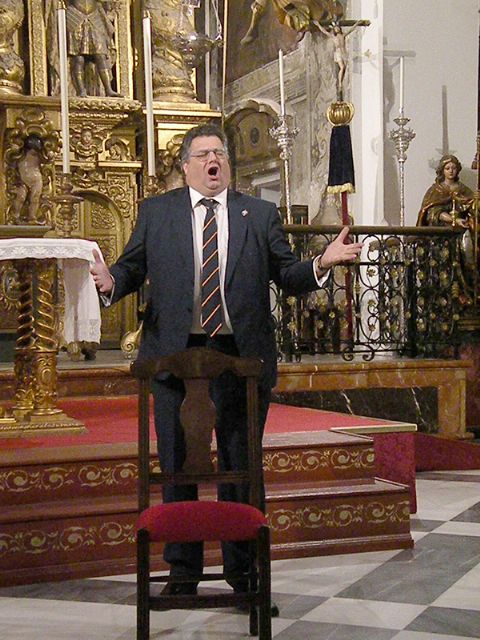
{"points": [[206, 519]]}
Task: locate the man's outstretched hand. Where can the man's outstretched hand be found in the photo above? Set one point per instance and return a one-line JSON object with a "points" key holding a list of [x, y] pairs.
{"points": [[337, 251], [101, 275]]}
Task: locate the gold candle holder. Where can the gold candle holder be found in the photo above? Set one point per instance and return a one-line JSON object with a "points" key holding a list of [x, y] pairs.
{"points": [[66, 200]]}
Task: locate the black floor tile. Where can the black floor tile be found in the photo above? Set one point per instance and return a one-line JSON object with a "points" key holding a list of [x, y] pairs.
{"points": [[469, 515], [420, 575], [449, 621]]}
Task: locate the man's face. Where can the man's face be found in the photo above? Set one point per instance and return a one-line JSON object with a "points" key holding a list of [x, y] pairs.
{"points": [[208, 173]]}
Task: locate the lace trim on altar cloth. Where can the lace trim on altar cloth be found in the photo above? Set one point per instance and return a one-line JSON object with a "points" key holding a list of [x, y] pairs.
{"points": [[41, 248]]}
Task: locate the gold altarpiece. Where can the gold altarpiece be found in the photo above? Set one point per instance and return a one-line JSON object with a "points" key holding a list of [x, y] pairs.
{"points": [[107, 132]]}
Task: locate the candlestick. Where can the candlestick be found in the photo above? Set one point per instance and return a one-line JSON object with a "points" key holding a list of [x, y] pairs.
{"points": [[147, 61], [402, 82], [402, 136], [282, 85], [284, 135], [62, 46]]}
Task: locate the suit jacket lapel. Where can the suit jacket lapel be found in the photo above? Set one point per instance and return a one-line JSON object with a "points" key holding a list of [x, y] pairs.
{"points": [[183, 227], [237, 230]]}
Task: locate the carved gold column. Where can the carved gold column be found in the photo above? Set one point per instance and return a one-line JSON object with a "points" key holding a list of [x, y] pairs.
{"points": [[34, 411], [25, 343]]}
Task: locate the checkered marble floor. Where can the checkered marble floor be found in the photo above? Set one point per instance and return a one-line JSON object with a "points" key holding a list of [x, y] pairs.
{"points": [[430, 592]]}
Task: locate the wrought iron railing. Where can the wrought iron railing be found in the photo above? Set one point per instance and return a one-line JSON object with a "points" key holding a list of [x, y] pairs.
{"points": [[403, 295]]}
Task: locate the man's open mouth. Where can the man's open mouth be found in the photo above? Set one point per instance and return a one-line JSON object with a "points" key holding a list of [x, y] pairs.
{"points": [[213, 171]]}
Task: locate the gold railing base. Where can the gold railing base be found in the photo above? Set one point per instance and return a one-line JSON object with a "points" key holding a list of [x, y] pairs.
{"points": [[56, 424]]}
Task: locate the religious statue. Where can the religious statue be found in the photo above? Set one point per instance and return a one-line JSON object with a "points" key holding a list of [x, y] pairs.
{"points": [[177, 48], [12, 70], [340, 56], [296, 14], [90, 46], [448, 201], [30, 180], [90, 39]]}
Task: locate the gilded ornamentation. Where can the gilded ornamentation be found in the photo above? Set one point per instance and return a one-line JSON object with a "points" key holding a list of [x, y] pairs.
{"points": [[168, 164], [66, 219], [86, 145], [101, 218], [108, 245], [94, 476], [44, 326], [171, 74], [30, 153], [311, 460], [37, 542], [9, 286], [55, 478], [131, 341], [24, 397], [12, 69], [117, 149], [342, 515], [378, 513], [25, 330]]}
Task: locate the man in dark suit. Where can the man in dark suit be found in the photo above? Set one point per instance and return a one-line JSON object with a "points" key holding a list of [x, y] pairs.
{"points": [[250, 251]]}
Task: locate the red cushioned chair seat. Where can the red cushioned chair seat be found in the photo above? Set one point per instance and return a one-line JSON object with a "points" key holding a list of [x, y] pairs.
{"points": [[194, 521]]}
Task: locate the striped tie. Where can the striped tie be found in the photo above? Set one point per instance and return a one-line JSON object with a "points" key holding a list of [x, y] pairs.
{"points": [[211, 299]]}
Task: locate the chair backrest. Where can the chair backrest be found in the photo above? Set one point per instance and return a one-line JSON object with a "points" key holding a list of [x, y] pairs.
{"points": [[197, 367]]}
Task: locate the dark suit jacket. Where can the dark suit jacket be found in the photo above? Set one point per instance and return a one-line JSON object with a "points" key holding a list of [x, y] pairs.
{"points": [[161, 248]]}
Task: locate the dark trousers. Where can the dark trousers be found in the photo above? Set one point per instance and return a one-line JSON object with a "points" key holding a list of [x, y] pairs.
{"points": [[228, 394]]}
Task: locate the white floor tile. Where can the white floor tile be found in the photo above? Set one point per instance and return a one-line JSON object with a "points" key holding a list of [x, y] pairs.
{"points": [[445, 499]]}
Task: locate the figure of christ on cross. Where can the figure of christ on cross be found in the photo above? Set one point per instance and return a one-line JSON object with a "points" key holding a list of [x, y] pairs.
{"points": [[338, 37]]}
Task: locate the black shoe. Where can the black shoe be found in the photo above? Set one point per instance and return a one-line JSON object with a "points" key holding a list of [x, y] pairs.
{"points": [[179, 589]]}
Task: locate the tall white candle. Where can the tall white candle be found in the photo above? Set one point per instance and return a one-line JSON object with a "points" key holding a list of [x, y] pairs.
{"points": [[147, 61], [62, 47], [402, 83], [282, 83]]}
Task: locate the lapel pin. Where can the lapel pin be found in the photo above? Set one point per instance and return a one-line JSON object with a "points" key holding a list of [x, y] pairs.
{"points": [[245, 212]]}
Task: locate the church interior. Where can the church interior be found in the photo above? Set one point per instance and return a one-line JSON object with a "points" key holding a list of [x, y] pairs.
{"points": [[357, 113]]}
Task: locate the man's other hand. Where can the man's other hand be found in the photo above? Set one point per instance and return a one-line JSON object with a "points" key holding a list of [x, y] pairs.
{"points": [[101, 275]]}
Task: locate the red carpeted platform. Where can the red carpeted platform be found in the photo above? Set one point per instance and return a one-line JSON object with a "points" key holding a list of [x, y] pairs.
{"points": [[114, 420]]}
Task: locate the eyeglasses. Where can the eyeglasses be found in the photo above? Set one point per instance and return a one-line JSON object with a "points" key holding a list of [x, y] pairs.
{"points": [[202, 155]]}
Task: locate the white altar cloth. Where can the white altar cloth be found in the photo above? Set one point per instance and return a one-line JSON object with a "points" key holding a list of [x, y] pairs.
{"points": [[82, 320]]}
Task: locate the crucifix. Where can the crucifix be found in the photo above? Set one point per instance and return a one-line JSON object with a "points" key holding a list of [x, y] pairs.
{"points": [[338, 36]]}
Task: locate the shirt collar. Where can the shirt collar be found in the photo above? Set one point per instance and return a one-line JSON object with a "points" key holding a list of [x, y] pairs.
{"points": [[196, 196]]}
